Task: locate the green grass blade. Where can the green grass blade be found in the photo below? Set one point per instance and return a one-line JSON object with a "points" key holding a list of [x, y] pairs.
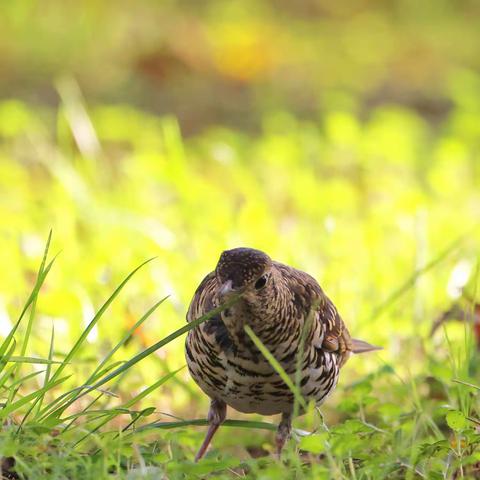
{"points": [[33, 360], [410, 282], [4, 360], [11, 407], [33, 295], [24, 379], [8, 374], [204, 423], [49, 368], [131, 402], [57, 413], [38, 402], [467, 384], [125, 338], [152, 387], [49, 410], [53, 406], [93, 322], [99, 413], [276, 366], [98, 372], [143, 413], [148, 351], [306, 329], [57, 406], [28, 330]]}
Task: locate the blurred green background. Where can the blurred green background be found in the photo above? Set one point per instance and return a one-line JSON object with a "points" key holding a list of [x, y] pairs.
{"points": [[343, 138]]}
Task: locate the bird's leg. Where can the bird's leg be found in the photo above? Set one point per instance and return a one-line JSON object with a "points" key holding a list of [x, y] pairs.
{"points": [[216, 416], [283, 432]]}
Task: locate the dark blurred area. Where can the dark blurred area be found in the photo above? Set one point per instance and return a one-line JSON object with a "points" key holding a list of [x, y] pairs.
{"points": [[218, 62]]}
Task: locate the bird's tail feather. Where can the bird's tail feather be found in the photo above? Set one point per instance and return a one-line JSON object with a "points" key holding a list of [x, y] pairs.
{"points": [[359, 346]]}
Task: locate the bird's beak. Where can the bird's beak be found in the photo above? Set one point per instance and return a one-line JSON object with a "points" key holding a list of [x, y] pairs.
{"points": [[226, 289]]}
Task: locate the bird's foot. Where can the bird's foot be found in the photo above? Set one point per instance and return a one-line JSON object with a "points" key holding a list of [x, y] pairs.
{"points": [[216, 416], [283, 433]]}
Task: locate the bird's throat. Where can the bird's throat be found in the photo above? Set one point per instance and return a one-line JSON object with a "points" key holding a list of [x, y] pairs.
{"points": [[236, 318]]}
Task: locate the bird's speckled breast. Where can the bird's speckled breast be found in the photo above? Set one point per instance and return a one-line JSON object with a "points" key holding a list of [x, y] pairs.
{"points": [[245, 380]]}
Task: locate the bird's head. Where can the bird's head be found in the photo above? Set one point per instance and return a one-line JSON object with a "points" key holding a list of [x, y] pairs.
{"points": [[244, 271]]}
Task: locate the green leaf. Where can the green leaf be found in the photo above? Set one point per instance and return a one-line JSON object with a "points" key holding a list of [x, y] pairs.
{"points": [[351, 426], [348, 405], [314, 443], [456, 420]]}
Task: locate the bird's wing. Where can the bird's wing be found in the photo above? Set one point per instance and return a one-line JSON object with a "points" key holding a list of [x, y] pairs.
{"points": [[310, 299], [337, 337], [203, 299]]}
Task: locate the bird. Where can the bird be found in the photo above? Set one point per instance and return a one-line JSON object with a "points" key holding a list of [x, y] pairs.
{"points": [[275, 301]]}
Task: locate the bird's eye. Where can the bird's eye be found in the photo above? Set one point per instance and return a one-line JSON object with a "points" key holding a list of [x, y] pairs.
{"points": [[261, 282]]}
